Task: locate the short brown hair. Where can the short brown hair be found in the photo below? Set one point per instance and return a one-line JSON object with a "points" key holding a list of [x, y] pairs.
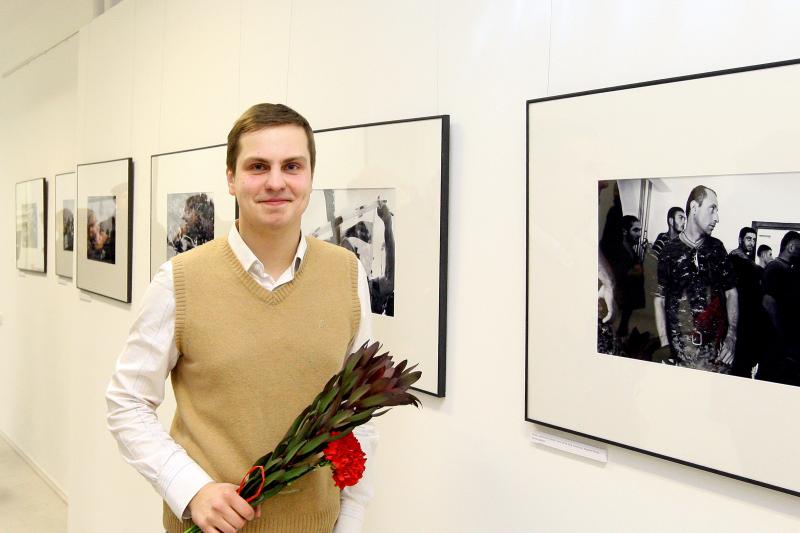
{"points": [[262, 116]]}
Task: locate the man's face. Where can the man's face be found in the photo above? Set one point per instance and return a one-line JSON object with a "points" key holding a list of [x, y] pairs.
{"points": [[678, 223], [749, 243], [707, 213], [635, 233], [794, 250], [272, 180], [766, 257]]}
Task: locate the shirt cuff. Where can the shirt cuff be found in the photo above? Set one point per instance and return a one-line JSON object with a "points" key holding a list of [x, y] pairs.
{"points": [[351, 518], [182, 482]]}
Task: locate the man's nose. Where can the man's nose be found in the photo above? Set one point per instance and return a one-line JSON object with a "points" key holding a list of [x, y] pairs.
{"points": [[275, 180]]}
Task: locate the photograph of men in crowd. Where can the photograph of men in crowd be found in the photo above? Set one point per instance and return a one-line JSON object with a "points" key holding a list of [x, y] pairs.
{"points": [[190, 221], [708, 301], [360, 220], [101, 229]]}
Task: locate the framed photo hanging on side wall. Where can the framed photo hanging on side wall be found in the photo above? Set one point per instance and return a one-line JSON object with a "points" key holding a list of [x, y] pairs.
{"points": [[66, 189], [190, 204], [660, 310], [31, 225], [104, 228], [381, 191]]}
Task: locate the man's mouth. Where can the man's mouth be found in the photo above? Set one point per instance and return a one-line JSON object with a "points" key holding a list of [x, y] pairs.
{"points": [[274, 201]]}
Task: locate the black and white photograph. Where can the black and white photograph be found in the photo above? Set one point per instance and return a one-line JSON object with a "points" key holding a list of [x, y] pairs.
{"points": [[68, 221], [362, 221], [104, 228], [685, 280], [31, 225], [190, 221], [28, 226], [65, 222], [101, 218]]}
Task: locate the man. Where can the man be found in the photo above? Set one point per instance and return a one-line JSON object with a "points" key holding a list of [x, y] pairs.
{"points": [[750, 331], [626, 265], [782, 304], [764, 254], [676, 222], [696, 305], [250, 327]]}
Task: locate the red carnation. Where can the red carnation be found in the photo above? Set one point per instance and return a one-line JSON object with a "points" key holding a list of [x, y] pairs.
{"points": [[347, 460]]}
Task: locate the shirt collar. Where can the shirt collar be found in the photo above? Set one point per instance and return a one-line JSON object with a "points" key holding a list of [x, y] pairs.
{"points": [[248, 259]]}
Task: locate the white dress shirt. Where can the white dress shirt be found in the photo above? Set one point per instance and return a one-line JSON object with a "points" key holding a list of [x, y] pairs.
{"points": [[137, 389]]}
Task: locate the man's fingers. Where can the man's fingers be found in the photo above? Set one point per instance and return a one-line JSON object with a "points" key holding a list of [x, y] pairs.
{"points": [[241, 506], [258, 511]]}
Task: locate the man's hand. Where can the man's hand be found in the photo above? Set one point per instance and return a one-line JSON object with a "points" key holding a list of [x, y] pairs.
{"points": [[383, 211], [606, 294], [217, 508], [728, 349]]}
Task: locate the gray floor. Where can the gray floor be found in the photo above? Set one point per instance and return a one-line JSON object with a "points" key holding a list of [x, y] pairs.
{"points": [[27, 504]]}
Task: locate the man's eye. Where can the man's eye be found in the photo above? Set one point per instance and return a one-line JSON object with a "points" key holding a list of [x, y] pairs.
{"points": [[292, 166], [258, 166]]}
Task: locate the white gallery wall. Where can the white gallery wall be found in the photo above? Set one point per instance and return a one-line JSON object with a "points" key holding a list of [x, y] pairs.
{"points": [[152, 76]]}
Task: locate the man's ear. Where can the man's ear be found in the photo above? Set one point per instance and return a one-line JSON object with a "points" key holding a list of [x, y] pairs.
{"points": [[229, 174]]}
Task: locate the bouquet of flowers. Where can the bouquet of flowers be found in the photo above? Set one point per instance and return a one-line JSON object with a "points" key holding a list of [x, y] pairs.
{"points": [[366, 386]]}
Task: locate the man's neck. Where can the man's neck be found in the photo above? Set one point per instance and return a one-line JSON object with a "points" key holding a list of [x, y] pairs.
{"points": [[673, 232], [275, 249], [693, 233]]}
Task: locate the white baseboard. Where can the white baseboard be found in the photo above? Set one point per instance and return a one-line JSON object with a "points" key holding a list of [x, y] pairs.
{"points": [[36, 468]]}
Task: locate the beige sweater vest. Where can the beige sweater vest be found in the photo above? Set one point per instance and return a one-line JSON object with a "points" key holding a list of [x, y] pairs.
{"points": [[250, 361]]}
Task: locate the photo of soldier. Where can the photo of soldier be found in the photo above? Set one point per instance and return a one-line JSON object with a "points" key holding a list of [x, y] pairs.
{"points": [[751, 337], [676, 222], [696, 306], [764, 254]]}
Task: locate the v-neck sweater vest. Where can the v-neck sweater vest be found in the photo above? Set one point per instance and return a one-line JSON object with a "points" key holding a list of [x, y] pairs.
{"points": [[250, 361]]}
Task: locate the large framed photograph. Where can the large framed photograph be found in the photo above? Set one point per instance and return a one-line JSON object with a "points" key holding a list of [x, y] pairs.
{"points": [[104, 228], [31, 225], [381, 190], [663, 271], [190, 203], [65, 206]]}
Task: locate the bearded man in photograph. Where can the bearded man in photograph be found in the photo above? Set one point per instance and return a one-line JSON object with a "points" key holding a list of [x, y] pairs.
{"points": [[750, 342]]}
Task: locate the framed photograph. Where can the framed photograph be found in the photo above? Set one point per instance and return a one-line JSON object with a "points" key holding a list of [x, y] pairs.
{"points": [[65, 199], [190, 204], [104, 228], [31, 225], [661, 306], [380, 190]]}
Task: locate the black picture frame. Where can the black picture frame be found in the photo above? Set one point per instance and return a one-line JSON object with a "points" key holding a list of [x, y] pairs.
{"points": [[33, 190], [597, 118], [433, 137], [110, 181]]}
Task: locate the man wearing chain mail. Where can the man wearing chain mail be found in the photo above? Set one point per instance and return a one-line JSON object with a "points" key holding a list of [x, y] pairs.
{"points": [[696, 302]]}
